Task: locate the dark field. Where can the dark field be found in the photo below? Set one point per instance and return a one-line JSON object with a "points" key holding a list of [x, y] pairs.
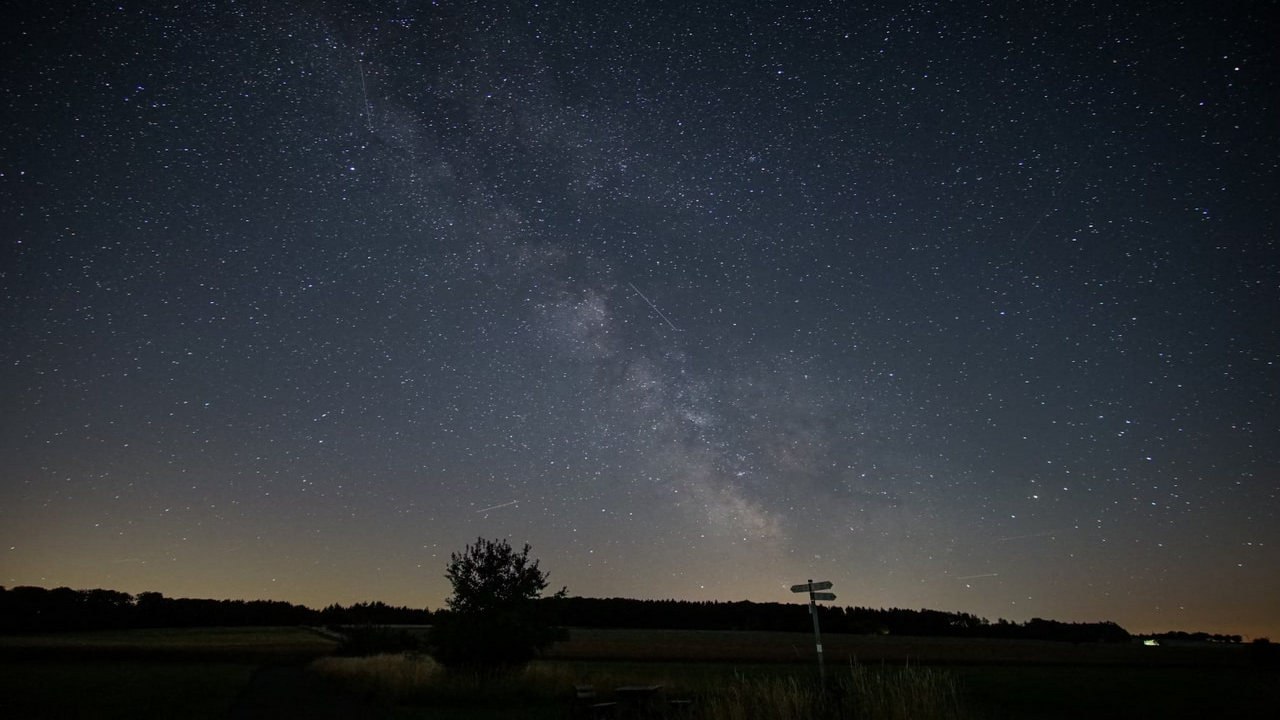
{"points": [[252, 673], [164, 673], [996, 678], [241, 645], [731, 646]]}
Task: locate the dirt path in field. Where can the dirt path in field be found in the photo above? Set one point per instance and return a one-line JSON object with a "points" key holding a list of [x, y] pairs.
{"points": [[289, 691]]}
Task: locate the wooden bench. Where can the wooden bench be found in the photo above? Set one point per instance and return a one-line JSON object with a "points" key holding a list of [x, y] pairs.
{"points": [[587, 703]]}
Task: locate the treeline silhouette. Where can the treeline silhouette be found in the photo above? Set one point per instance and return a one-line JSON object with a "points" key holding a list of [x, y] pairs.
{"points": [[789, 617], [35, 609], [1196, 637]]}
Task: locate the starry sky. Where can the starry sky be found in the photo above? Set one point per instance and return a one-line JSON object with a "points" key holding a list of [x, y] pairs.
{"points": [[960, 305]]}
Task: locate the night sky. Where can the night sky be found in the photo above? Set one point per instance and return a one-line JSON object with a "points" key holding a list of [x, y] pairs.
{"points": [[969, 306]]}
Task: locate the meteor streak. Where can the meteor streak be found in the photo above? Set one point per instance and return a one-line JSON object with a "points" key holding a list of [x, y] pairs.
{"points": [[655, 307], [364, 89], [1047, 533]]}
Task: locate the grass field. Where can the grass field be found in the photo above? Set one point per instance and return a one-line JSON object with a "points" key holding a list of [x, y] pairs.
{"points": [[250, 645], [163, 673], [1062, 692], [776, 647], [417, 688], [981, 692], [120, 689], [237, 672]]}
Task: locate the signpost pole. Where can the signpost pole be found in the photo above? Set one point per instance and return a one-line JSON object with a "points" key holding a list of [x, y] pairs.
{"points": [[817, 636], [812, 588]]}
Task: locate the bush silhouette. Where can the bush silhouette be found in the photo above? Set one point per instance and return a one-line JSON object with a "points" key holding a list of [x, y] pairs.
{"points": [[494, 622], [364, 640]]}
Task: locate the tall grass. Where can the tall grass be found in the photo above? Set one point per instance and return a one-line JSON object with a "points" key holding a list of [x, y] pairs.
{"points": [[860, 693], [783, 698], [865, 693], [413, 678], [899, 693], [390, 677]]}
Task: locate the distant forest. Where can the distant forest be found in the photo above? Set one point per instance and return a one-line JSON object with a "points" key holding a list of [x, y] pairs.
{"points": [[791, 617], [34, 609]]}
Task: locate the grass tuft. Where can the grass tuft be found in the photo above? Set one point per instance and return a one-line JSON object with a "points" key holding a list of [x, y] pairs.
{"points": [[388, 677], [865, 693], [901, 693]]}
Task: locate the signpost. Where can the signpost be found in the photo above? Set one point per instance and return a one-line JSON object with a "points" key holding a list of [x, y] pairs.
{"points": [[812, 588]]}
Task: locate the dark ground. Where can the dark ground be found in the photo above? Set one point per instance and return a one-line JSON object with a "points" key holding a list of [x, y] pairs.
{"points": [[283, 691]]}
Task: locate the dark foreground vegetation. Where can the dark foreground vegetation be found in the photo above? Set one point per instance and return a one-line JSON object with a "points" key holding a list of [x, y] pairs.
{"points": [[291, 672], [781, 617], [501, 650], [35, 609], [190, 673], [29, 609]]}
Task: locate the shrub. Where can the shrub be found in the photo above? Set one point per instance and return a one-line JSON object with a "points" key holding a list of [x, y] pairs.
{"points": [[364, 640], [494, 623]]}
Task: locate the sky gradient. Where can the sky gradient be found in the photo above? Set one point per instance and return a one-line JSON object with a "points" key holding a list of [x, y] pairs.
{"points": [[968, 306]]}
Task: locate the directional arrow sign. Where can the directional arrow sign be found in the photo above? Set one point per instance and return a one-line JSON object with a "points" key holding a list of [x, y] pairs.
{"points": [[810, 587], [824, 585]]}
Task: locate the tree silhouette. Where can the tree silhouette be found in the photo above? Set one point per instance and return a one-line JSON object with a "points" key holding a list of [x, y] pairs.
{"points": [[494, 622]]}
